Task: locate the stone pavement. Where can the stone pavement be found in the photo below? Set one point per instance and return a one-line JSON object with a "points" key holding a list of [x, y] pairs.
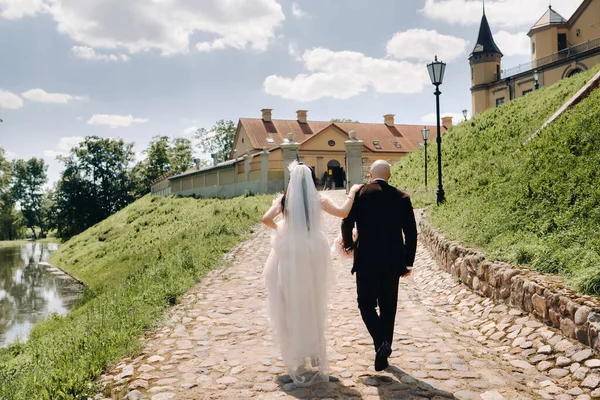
{"points": [[449, 343]]}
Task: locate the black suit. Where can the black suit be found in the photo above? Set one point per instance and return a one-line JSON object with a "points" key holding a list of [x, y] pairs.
{"points": [[382, 215]]}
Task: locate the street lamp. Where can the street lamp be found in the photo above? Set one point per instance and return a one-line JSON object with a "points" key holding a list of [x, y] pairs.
{"points": [[465, 114], [436, 73], [536, 78], [425, 133]]}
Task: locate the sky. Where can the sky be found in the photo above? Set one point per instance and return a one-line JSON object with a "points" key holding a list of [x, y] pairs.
{"points": [[139, 68]]}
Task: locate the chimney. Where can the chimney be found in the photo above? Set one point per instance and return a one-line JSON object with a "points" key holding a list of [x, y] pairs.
{"points": [[266, 114], [197, 163], [302, 116], [388, 119], [447, 122], [214, 157]]}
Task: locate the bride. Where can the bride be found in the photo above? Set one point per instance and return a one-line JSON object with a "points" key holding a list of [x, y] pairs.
{"points": [[298, 274]]}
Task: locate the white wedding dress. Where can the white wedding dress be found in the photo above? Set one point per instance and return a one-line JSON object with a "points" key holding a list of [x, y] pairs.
{"points": [[298, 276]]}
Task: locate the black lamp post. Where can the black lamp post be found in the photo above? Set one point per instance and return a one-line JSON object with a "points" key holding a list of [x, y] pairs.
{"points": [[425, 133], [465, 114], [536, 78], [436, 73]]}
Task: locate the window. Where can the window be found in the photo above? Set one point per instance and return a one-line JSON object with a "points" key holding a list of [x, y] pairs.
{"points": [[377, 144], [497, 71], [562, 41], [499, 101], [526, 92], [398, 145], [532, 47], [242, 140], [270, 140], [331, 143], [575, 72]]}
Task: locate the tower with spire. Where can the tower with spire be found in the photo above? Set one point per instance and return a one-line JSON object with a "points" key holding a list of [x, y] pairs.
{"points": [[560, 48], [485, 61]]}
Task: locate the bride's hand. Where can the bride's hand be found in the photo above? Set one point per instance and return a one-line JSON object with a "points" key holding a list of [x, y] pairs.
{"points": [[354, 189]]}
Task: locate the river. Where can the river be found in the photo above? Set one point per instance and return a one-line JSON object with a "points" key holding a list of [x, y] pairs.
{"points": [[31, 290]]}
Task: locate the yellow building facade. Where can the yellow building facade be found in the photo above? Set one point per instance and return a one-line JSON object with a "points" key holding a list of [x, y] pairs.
{"points": [[560, 48], [322, 143]]}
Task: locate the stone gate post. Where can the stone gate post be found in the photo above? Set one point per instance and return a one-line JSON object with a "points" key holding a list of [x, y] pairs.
{"points": [[354, 169], [290, 153]]}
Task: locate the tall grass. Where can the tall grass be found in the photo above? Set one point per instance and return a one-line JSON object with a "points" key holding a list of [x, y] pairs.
{"points": [[535, 203], [136, 263]]}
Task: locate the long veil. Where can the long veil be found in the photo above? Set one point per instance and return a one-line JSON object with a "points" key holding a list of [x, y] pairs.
{"points": [[299, 311]]}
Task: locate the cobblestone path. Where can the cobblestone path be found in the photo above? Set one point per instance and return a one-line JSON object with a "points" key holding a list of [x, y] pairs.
{"points": [[449, 343]]}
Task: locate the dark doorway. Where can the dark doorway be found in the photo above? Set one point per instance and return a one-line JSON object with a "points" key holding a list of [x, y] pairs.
{"points": [[336, 174]]}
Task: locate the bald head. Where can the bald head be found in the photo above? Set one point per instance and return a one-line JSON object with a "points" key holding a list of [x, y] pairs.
{"points": [[381, 170]]}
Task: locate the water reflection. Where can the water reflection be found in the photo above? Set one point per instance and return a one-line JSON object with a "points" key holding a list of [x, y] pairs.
{"points": [[29, 292]]}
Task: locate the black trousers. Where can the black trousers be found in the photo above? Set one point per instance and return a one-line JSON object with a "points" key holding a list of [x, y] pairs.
{"points": [[378, 287]]}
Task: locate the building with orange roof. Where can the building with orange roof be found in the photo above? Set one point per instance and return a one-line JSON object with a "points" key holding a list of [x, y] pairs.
{"points": [[258, 161], [322, 142]]}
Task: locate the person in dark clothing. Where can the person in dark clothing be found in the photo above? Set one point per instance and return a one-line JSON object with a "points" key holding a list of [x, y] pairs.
{"points": [[383, 253]]}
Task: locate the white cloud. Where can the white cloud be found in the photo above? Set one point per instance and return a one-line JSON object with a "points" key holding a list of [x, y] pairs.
{"points": [[513, 44], [345, 74], [115, 121], [297, 12], [10, 155], [161, 25], [41, 96], [430, 118], [15, 9], [293, 51], [10, 101], [87, 53], [422, 45], [501, 13], [64, 146]]}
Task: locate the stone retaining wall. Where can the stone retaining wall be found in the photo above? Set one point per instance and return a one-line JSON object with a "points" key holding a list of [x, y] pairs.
{"points": [[545, 297]]}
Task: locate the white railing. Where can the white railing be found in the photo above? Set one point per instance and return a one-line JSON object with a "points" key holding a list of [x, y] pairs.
{"points": [[559, 55]]}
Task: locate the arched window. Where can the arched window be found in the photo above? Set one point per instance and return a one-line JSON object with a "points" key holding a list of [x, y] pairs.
{"points": [[574, 72]]}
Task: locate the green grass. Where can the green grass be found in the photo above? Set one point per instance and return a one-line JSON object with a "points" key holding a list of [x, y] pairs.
{"points": [[137, 263], [535, 203]]}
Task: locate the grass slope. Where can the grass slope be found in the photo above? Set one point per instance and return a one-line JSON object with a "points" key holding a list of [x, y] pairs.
{"points": [[537, 203], [136, 263]]}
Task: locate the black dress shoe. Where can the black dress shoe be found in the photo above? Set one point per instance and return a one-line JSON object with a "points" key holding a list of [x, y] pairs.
{"points": [[381, 358]]}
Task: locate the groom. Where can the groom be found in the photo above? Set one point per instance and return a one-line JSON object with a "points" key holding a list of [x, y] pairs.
{"points": [[382, 214]]}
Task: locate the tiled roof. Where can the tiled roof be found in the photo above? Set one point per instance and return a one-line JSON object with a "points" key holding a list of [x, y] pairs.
{"points": [[377, 137], [550, 17], [485, 40]]}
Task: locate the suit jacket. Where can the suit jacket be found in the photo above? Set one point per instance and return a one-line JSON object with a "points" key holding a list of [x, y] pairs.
{"points": [[382, 215]]}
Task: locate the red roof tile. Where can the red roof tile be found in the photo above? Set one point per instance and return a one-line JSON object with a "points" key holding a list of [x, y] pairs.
{"points": [[408, 136]]}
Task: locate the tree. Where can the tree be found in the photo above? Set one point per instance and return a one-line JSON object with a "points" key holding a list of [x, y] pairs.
{"points": [[180, 155], [157, 160], [218, 140], [29, 178], [10, 218], [342, 120], [95, 184], [48, 212]]}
